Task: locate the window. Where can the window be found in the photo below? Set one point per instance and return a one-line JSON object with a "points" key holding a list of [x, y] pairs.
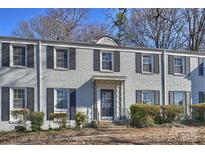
{"points": [[178, 65], [202, 67], [107, 63], [148, 97], [61, 100], [147, 63], [61, 58], [19, 55], [18, 98], [179, 98]]}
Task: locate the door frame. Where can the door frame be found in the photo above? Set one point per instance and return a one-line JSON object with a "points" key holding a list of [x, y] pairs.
{"points": [[107, 117]]}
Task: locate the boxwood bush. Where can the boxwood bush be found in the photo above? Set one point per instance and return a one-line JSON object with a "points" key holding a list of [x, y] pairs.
{"points": [[60, 118], [36, 121], [80, 119], [198, 111], [143, 115]]}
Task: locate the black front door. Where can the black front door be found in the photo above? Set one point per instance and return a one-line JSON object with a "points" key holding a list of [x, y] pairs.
{"points": [[107, 102]]}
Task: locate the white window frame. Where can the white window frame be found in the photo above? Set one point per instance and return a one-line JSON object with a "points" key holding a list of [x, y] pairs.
{"points": [[12, 53], [105, 70], [56, 110], [55, 58], [11, 91], [142, 64], [183, 67], [147, 91]]}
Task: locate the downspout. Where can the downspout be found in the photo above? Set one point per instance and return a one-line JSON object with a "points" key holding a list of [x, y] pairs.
{"points": [[164, 75], [39, 77]]}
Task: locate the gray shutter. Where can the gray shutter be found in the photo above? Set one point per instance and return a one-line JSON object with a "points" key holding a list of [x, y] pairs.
{"points": [[50, 57], [50, 102], [116, 61], [5, 58], [30, 56], [30, 99], [72, 59], [201, 97], [72, 104], [5, 103], [96, 60], [156, 64], [171, 97], [200, 67], [157, 97], [187, 65], [138, 96], [138, 62], [171, 64]]}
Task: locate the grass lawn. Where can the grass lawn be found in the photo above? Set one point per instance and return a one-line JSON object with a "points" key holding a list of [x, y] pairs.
{"points": [[154, 135]]}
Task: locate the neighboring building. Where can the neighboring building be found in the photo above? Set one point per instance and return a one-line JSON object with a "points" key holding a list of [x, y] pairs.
{"points": [[101, 79]]}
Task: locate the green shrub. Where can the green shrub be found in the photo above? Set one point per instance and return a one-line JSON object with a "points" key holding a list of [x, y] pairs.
{"points": [[80, 119], [36, 121], [144, 115], [198, 111], [93, 124], [171, 113], [20, 129], [21, 116], [61, 118]]}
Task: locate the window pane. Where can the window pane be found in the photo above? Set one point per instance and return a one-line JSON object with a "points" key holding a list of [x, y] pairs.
{"points": [[148, 97], [179, 98], [19, 56], [62, 99], [62, 58], [147, 63], [19, 98], [178, 65], [107, 61]]}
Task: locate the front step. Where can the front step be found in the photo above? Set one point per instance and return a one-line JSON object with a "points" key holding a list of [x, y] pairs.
{"points": [[110, 125]]}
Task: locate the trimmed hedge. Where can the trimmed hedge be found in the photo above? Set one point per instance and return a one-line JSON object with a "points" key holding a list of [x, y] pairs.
{"points": [[172, 113], [145, 115], [36, 121], [61, 118], [198, 111]]}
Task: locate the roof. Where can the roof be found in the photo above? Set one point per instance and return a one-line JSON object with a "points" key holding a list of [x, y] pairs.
{"points": [[76, 43]]}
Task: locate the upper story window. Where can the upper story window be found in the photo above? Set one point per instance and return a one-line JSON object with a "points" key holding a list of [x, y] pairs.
{"points": [[19, 56], [179, 98], [148, 97], [107, 61], [178, 65], [202, 67], [18, 98], [61, 58], [61, 100], [147, 65]]}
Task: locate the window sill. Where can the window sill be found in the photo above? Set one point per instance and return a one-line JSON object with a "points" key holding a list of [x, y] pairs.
{"points": [[177, 74], [107, 71], [61, 69], [18, 67], [147, 73]]}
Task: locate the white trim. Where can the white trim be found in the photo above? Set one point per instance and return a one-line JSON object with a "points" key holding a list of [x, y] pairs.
{"points": [[11, 56], [152, 60], [105, 70], [11, 95], [183, 65], [55, 100], [55, 59]]}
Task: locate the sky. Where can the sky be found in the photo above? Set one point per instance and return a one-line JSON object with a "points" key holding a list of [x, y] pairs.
{"points": [[9, 18]]}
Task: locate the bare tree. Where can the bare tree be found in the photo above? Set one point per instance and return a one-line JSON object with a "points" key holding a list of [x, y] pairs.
{"points": [[155, 28], [57, 24], [194, 28]]}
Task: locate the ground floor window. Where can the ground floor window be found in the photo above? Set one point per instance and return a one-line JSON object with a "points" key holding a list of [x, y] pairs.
{"points": [[61, 103], [177, 97], [148, 97], [18, 98]]}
